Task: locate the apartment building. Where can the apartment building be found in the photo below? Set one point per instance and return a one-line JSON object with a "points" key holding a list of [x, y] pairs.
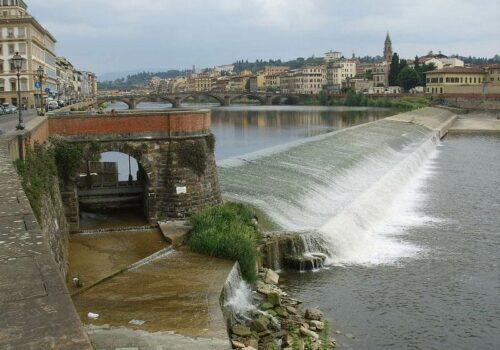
{"points": [[21, 32], [305, 81], [464, 80]]}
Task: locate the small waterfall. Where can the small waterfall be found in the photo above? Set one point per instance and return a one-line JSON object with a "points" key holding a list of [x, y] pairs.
{"points": [[339, 191], [237, 301]]}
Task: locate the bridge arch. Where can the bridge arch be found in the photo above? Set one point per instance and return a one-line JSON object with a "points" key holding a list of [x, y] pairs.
{"points": [[250, 96], [127, 101], [207, 94], [156, 98], [102, 189]]}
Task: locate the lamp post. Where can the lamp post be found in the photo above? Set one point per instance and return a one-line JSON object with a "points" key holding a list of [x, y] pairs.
{"points": [[17, 61], [40, 72]]}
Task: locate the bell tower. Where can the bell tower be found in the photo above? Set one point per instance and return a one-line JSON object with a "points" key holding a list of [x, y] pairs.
{"points": [[388, 49]]}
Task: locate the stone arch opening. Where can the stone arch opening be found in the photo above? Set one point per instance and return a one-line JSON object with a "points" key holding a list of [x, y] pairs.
{"points": [[202, 98], [155, 102], [117, 105], [248, 98], [113, 190]]}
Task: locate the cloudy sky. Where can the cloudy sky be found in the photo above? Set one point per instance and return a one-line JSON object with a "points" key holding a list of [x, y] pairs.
{"points": [[120, 35]]}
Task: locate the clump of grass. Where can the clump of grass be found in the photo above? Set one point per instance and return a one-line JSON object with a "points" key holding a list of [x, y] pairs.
{"points": [[227, 231]]}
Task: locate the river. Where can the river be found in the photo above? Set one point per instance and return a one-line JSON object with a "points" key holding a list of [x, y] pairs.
{"points": [[411, 223]]}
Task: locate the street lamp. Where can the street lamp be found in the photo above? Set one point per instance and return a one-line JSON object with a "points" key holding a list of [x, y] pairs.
{"points": [[17, 61], [40, 72]]}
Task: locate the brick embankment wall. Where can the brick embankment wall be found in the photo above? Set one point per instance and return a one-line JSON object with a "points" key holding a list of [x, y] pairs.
{"points": [[471, 102]]}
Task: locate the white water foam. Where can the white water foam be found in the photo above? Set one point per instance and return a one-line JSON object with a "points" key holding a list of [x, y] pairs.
{"points": [[368, 231]]}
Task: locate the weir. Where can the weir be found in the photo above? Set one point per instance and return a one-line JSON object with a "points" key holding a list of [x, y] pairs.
{"points": [[339, 190]]}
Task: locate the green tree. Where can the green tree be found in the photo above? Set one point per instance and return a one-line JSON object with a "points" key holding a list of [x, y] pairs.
{"points": [[369, 74], [394, 72], [408, 78], [323, 98]]}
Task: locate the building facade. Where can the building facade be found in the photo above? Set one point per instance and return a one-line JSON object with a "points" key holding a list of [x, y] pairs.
{"points": [[459, 80], [20, 32]]}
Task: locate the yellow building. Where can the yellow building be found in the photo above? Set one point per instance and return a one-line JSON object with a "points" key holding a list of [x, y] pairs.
{"points": [[266, 76], [20, 32], [457, 80]]}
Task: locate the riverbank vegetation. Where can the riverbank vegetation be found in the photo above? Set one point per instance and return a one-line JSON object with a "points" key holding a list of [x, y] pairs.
{"points": [[38, 172], [227, 231], [358, 99], [44, 163]]}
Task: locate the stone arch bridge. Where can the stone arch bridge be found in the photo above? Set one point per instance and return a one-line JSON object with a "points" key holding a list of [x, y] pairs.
{"points": [[174, 184], [225, 99]]}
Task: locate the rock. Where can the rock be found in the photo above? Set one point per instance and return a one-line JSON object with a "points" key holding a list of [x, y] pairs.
{"points": [[314, 314], [271, 277], [317, 324], [291, 310], [308, 333], [272, 313], [266, 306], [241, 330], [260, 324], [274, 298], [264, 334], [269, 346], [252, 342], [279, 335], [281, 312], [237, 344]]}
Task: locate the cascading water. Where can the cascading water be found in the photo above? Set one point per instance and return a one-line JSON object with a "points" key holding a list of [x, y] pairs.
{"points": [[340, 191], [237, 298]]}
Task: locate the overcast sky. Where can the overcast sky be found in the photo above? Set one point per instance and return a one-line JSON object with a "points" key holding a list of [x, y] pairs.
{"points": [[120, 35]]}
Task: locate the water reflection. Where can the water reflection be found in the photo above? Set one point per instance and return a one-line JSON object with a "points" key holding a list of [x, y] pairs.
{"points": [[241, 130]]}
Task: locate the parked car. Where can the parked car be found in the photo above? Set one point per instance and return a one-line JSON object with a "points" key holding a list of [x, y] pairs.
{"points": [[9, 108], [2, 111], [51, 105]]}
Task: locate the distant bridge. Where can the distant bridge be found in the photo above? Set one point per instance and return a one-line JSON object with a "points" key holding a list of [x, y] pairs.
{"points": [[225, 99]]}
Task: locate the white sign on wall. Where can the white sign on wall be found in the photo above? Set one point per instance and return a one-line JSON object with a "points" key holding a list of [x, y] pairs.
{"points": [[181, 190]]}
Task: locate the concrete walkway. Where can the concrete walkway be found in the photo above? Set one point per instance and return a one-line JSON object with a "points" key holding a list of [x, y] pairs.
{"points": [[477, 123], [36, 311]]}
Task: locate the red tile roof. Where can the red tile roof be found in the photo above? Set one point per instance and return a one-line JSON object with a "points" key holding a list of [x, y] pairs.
{"points": [[471, 70]]}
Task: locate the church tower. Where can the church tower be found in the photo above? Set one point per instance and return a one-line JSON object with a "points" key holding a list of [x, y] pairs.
{"points": [[388, 49]]}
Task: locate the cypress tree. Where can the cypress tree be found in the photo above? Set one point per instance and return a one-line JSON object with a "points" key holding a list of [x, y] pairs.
{"points": [[394, 72]]}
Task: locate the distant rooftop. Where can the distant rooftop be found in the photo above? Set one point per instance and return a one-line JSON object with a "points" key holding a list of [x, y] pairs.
{"points": [[473, 70]]}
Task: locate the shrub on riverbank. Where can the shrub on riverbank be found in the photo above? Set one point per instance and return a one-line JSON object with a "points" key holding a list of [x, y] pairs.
{"points": [[227, 231], [358, 99]]}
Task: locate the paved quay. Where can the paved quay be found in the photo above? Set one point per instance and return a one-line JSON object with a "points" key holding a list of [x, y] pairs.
{"points": [[36, 311], [477, 123], [175, 298]]}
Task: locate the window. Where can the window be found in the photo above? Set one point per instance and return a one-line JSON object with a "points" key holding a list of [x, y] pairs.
{"points": [[12, 49], [24, 84], [22, 48], [1, 67], [2, 85], [21, 32], [13, 85], [10, 32]]}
